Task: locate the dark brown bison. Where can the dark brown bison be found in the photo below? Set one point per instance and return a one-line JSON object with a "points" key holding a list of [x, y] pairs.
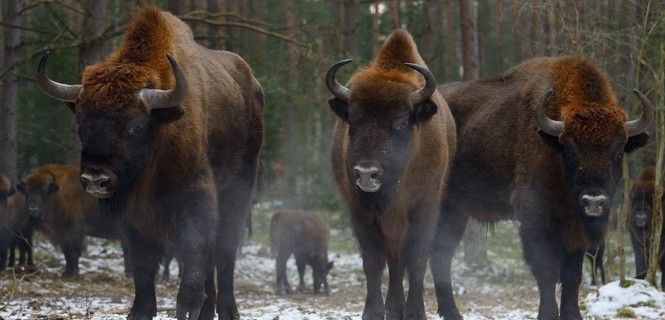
{"points": [[63, 210], [173, 148], [305, 236], [15, 228], [641, 211], [392, 145], [542, 143]]}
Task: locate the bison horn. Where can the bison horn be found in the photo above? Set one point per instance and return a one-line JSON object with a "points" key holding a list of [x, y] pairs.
{"points": [[428, 90], [641, 124], [164, 99], [55, 90], [339, 91], [547, 125]]}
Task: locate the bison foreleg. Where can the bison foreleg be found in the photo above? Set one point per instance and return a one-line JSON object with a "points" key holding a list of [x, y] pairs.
{"points": [[144, 256], [72, 253], [545, 262], [571, 276], [193, 239], [374, 261], [447, 237]]}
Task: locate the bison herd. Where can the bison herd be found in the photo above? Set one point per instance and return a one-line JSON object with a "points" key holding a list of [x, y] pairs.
{"points": [[171, 134]]}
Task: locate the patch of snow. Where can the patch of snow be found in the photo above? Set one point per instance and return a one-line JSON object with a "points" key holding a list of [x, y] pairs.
{"points": [[643, 299]]}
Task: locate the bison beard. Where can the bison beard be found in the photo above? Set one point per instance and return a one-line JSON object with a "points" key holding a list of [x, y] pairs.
{"points": [[179, 165], [391, 149], [542, 143]]}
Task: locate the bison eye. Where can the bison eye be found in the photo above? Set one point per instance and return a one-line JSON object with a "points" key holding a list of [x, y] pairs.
{"points": [[402, 125], [136, 130]]}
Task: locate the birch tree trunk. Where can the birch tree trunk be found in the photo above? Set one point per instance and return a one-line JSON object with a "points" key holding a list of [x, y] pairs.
{"points": [[394, 14]]}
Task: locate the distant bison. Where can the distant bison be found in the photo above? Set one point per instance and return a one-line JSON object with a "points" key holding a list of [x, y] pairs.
{"points": [[393, 142], [306, 237], [542, 143], [65, 212], [641, 211], [171, 134], [15, 227]]}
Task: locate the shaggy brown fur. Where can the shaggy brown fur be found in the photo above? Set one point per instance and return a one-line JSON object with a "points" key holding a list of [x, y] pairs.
{"points": [[171, 167], [305, 236], [65, 212], [504, 169], [641, 213], [414, 144]]}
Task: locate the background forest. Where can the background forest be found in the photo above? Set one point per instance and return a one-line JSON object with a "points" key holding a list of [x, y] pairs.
{"points": [[290, 44]]}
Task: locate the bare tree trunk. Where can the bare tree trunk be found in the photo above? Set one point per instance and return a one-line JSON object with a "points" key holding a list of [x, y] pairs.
{"points": [[518, 32], [352, 21], [93, 26], [394, 14], [449, 44], [430, 36], [216, 33], [499, 34], [534, 30], [176, 6], [469, 40], [655, 250], [9, 92], [551, 28], [376, 15]]}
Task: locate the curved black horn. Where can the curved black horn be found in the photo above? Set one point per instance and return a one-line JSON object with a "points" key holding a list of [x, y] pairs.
{"points": [[641, 124], [55, 90], [163, 99], [339, 91], [425, 92], [547, 125]]}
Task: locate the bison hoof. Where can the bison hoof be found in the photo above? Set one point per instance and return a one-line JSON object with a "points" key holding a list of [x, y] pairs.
{"points": [[68, 274], [231, 314], [450, 315]]}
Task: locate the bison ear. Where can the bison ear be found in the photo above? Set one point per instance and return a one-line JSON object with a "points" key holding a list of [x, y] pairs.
{"points": [[550, 140], [636, 142], [21, 187], [11, 192], [166, 115], [340, 108], [424, 111]]}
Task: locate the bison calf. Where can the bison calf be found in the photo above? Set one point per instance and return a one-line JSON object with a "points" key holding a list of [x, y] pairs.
{"points": [[306, 237], [641, 212]]}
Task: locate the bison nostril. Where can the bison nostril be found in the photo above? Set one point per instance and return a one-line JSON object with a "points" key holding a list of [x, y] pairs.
{"points": [[375, 175]]}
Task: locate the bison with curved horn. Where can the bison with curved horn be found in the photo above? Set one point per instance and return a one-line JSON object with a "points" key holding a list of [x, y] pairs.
{"points": [[393, 142], [543, 144], [171, 133]]}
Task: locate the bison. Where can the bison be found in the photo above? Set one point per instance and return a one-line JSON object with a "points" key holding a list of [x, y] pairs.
{"points": [[171, 133], [393, 141], [15, 228], [641, 211], [543, 143], [65, 212], [306, 237]]}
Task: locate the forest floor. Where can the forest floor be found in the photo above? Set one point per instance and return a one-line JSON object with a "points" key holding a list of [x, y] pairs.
{"points": [[502, 290]]}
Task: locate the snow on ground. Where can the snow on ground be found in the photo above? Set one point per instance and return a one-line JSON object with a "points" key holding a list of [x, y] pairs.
{"points": [[637, 299], [502, 290]]}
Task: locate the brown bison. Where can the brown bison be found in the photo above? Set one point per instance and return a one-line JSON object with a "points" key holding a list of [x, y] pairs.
{"points": [[15, 228], [306, 237], [641, 211], [542, 143], [173, 148], [392, 145], [65, 212]]}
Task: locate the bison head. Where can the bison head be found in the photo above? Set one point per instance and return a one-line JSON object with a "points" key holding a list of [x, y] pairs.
{"points": [[641, 203], [593, 142], [118, 117], [38, 190], [381, 109]]}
